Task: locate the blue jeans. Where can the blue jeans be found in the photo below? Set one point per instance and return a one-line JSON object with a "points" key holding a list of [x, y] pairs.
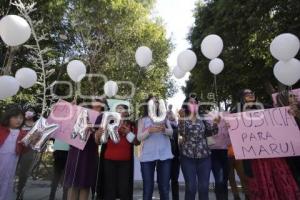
{"points": [[196, 174], [220, 169], [163, 178]]}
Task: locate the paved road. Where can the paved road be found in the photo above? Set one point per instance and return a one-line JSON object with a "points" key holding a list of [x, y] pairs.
{"points": [[39, 190]]}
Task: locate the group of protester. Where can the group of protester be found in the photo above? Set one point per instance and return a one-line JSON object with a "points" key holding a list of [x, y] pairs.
{"points": [[106, 171]]}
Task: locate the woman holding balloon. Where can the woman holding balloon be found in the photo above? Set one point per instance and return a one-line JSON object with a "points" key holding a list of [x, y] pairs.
{"points": [[154, 132], [117, 160]]}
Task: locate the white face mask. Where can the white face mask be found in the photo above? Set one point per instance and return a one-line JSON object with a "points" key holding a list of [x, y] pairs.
{"points": [[29, 114]]}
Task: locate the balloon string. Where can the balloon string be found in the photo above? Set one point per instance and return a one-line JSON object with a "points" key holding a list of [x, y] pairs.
{"points": [[97, 178], [76, 93], [216, 89], [138, 77]]}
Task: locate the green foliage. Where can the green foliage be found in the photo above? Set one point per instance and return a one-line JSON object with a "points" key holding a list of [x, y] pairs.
{"points": [[105, 35], [247, 29]]}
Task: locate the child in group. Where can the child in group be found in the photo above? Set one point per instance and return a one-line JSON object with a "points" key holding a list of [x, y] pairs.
{"points": [[10, 148]]}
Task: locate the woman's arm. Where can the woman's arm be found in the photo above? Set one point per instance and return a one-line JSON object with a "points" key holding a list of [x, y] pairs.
{"points": [[142, 132]]}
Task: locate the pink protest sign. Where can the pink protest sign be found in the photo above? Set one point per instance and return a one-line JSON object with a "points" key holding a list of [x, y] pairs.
{"points": [[296, 92], [66, 116], [268, 133]]}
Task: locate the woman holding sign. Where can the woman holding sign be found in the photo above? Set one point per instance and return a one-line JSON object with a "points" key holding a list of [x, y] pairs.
{"points": [[286, 98], [267, 179], [81, 167], [195, 153]]}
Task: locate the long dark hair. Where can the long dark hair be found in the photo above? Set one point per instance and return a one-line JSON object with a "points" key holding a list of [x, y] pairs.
{"points": [[282, 98], [241, 104], [145, 112], [12, 110]]}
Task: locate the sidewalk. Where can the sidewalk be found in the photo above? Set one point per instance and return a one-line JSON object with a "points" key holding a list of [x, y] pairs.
{"points": [[39, 190]]}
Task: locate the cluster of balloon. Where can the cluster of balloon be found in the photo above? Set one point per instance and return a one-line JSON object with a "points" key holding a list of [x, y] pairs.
{"points": [[24, 77], [110, 88], [284, 48], [143, 56], [76, 70], [38, 136], [211, 48], [15, 31], [186, 61]]}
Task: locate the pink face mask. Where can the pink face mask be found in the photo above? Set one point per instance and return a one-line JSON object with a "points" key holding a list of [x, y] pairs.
{"points": [[193, 108]]}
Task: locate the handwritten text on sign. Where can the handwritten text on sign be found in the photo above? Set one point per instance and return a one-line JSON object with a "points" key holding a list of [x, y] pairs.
{"points": [[65, 115], [268, 133]]}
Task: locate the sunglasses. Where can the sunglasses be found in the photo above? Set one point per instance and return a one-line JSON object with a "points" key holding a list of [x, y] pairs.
{"points": [[247, 94]]}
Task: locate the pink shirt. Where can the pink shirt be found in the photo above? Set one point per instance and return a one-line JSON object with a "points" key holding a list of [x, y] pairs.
{"points": [[222, 139]]}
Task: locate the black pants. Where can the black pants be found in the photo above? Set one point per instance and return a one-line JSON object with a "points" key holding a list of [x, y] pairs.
{"points": [[117, 175], [219, 161], [175, 170], [24, 171], [60, 159]]}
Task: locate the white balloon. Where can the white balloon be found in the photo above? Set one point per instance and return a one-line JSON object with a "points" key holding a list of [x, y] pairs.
{"points": [[9, 87], [26, 77], [143, 56], [285, 46], [14, 30], [212, 46], [187, 60], [110, 88], [178, 72], [76, 70], [216, 66], [288, 72]]}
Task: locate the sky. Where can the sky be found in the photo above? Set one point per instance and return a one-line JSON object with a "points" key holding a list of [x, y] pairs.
{"points": [[177, 16]]}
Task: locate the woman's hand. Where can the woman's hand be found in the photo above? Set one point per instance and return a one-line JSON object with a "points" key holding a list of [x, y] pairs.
{"points": [[34, 138], [98, 134], [155, 129], [294, 110], [124, 129], [217, 120]]}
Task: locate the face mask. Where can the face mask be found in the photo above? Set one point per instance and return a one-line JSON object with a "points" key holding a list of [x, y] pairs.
{"points": [[193, 108], [29, 114]]}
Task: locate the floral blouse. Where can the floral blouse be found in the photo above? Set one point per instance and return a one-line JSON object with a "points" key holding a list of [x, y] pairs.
{"points": [[194, 142]]}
